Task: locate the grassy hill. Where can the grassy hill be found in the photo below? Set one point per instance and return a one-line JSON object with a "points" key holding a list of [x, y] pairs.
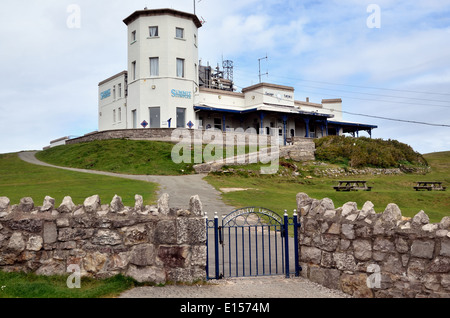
{"points": [[119, 156]]}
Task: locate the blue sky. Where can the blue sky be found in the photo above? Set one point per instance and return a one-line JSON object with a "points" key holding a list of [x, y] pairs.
{"points": [[324, 49]]}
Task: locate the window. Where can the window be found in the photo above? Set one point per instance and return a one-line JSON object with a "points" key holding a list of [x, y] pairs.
{"points": [[180, 67], [120, 90], [179, 33], [154, 66], [114, 92], [133, 36], [153, 31], [120, 114], [133, 70], [114, 115]]}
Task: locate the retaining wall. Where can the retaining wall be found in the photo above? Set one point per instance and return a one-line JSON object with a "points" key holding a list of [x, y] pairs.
{"points": [[369, 254], [149, 243]]}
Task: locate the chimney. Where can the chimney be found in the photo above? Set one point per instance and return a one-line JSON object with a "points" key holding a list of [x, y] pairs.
{"points": [[307, 99]]}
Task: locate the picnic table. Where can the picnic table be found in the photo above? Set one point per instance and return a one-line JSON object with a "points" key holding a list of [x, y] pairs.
{"points": [[429, 185], [352, 186]]}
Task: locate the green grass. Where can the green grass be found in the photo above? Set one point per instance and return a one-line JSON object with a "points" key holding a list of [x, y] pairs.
{"points": [[19, 179], [278, 192], [119, 156], [28, 285], [134, 157]]}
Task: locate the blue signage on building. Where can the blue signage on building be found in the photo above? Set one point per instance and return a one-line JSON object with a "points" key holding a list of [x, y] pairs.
{"points": [[181, 94], [144, 124], [105, 94]]}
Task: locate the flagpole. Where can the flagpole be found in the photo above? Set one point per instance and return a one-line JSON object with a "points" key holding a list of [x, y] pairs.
{"points": [[194, 7]]}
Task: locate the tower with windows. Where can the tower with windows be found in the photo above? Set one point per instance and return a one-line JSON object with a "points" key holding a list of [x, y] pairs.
{"points": [[162, 68]]}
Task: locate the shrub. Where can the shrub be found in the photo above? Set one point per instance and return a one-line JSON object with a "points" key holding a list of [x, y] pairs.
{"points": [[361, 152]]}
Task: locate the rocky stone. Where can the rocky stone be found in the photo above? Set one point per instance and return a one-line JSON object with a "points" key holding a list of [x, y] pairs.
{"points": [[367, 209], [92, 204], [362, 250], [94, 262], [445, 223], [50, 233], [16, 243], [163, 204], [303, 200], [139, 203], [344, 261], [107, 237], [26, 204], [195, 206], [422, 249], [143, 255], [392, 213], [356, 285], [48, 205], [310, 254], [35, 243], [429, 227], [420, 219], [445, 248], [348, 208], [4, 204], [348, 231], [67, 205], [147, 274], [116, 204]]}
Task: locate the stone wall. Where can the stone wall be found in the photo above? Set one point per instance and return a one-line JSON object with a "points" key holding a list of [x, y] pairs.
{"points": [[149, 243], [369, 254], [145, 134], [165, 134]]}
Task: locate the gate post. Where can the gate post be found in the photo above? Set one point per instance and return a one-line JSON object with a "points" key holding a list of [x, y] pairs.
{"points": [[216, 244], [296, 226], [286, 243]]}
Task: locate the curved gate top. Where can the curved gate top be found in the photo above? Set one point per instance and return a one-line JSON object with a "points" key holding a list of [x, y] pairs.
{"points": [[252, 216], [252, 241]]}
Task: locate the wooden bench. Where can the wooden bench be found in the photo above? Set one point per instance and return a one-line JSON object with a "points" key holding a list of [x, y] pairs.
{"points": [[352, 186], [429, 186]]}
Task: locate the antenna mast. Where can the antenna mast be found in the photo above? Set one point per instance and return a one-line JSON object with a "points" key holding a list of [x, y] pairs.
{"points": [[259, 61]]}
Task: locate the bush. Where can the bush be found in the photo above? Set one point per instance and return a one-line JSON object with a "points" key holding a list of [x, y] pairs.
{"points": [[363, 152]]}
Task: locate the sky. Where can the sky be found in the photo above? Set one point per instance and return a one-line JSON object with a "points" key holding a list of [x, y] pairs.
{"points": [[389, 61]]}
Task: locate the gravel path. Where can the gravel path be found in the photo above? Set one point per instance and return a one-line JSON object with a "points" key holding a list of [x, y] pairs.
{"points": [[247, 287]]}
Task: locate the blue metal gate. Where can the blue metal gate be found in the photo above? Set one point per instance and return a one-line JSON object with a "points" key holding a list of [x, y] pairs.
{"points": [[252, 241]]}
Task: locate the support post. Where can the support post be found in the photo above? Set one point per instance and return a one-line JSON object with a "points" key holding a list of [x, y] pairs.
{"points": [[286, 243], [307, 126], [296, 244], [216, 244]]}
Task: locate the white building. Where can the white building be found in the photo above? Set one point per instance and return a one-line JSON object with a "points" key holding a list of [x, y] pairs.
{"points": [[166, 87]]}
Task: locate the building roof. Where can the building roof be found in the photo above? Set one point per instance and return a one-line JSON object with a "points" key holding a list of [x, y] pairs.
{"points": [[156, 12], [112, 77], [259, 85]]}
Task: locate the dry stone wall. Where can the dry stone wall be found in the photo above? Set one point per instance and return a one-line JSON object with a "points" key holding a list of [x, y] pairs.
{"points": [[149, 243], [369, 254]]}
